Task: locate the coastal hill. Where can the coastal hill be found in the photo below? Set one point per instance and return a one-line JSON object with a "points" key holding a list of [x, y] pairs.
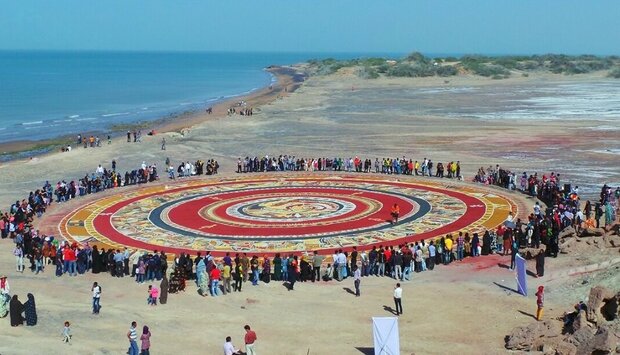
{"points": [[501, 67]]}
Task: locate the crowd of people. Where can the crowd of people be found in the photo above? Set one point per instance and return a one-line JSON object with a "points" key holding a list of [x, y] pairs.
{"points": [[402, 165], [219, 276]]}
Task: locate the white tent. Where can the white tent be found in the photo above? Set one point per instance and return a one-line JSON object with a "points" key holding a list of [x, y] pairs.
{"points": [[385, 334]]}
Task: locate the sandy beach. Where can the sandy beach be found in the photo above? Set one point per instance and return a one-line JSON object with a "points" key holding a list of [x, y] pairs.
{"points": [[336, 115]]}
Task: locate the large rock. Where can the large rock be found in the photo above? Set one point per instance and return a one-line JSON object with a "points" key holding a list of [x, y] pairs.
{"points": [[605, 341], [582, 336], [592, 232], [567, 232], [569, 245], [598, 298], [559, 348], [531, 337], [580, 322], [612, 241]]}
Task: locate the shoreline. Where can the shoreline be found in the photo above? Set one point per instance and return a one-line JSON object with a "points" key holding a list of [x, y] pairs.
{"points": [[285, 77]]}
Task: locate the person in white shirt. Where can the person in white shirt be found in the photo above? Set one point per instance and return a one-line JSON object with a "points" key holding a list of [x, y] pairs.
{"points": [[398, 294], [342, 265], [229, 348]]}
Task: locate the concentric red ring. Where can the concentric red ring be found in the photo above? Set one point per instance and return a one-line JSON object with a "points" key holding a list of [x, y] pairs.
{"points": [[186, 215]]}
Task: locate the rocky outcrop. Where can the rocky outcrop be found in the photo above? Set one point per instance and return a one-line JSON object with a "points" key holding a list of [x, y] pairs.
{"points": [[592, 232], [592, 331], [597, 301], [531, 337]]}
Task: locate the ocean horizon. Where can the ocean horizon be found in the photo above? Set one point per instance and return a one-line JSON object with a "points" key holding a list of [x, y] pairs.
{"points": [[47, 94]]}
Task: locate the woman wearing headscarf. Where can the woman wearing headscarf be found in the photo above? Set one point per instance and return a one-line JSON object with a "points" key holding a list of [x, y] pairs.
{"points": [[15, 309], [486, 243], [540, 263], [163, 287], [540, 300], [266, 277], [145, 338], [203, 283], [30, 311], [96, 257]]}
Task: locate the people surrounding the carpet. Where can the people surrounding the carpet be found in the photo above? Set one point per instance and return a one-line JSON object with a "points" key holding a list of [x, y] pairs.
{"points": [[398, 166], [214, 276]]}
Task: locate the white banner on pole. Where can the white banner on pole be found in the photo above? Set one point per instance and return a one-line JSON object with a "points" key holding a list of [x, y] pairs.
{"points": [[385, 334]]}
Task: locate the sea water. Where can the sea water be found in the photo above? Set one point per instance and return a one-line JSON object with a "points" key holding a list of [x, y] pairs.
{"points": [[48, 94]]}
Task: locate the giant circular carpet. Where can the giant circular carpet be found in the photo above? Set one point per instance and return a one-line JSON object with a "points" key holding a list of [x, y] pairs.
{"points": [[267, 214]]}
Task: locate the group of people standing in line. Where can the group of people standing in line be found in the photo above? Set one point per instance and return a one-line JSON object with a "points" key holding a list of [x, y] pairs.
{"points": [[398, 166]]}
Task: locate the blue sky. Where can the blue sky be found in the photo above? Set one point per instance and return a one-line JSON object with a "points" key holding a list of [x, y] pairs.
{"points": [[390, 26]]}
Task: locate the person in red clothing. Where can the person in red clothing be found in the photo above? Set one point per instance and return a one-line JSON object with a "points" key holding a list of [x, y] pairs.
{"points": [[215, 276], [69, 257], [250, 340], [540, 300]]}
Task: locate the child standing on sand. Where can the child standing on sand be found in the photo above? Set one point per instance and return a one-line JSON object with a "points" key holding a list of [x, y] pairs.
{"points": [[66, 333], [540, 300], [153, 294]]}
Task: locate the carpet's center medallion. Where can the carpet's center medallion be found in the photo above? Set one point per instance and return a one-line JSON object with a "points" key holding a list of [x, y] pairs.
{"points": [[284, 214], [290, 209]]}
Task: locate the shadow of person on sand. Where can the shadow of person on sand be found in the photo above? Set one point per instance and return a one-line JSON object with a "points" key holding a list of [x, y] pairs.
{"points": [[526, 314], [506, 287], [348, 290], [503, 266], [389, 309]]}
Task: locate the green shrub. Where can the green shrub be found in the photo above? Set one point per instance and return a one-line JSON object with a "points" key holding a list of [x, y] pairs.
{"points": [[367, 72], [614, 73], [447, 70]]}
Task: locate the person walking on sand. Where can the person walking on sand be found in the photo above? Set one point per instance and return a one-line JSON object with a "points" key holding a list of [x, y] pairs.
{"points": [[145, 339], [132, 336], [66, 333], [540, 300], [250, 340], [96, 297], [163, 143], [398, 294]]}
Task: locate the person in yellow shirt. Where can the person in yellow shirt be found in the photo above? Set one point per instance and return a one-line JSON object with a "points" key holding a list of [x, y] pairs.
{"points": [[448, 250], [226, 277]]}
